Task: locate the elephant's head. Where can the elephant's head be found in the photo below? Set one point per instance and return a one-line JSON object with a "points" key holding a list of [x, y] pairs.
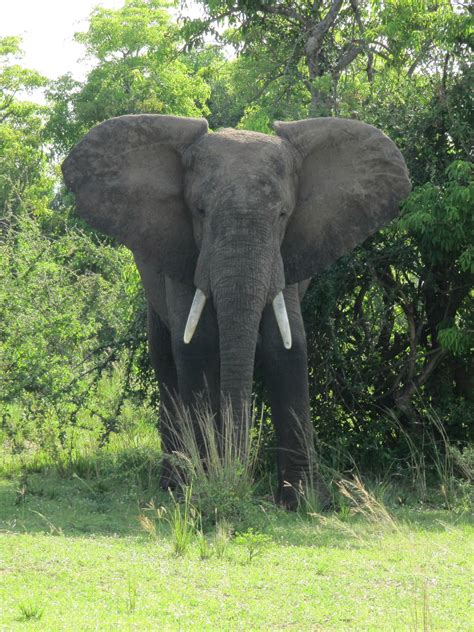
{"points": [[238, 214]]}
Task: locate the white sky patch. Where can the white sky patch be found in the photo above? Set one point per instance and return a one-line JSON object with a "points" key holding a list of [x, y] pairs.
{"points": [[47, 28]]}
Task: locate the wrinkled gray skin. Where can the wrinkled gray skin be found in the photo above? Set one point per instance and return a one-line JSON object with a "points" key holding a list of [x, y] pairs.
{"points": [[241, 216]]}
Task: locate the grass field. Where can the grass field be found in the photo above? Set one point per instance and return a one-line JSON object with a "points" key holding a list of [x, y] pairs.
{"points": [[74, 556]]}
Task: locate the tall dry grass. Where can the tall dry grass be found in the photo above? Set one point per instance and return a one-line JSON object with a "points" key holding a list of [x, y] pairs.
{"points": [[217, 458]]}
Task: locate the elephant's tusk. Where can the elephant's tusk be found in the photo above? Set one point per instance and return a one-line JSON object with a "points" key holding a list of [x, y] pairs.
{"points": [[281, 316], [194, 315]]}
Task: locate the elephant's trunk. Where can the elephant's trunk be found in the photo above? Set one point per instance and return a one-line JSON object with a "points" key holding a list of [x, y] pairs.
{"points": [[240, 281]]}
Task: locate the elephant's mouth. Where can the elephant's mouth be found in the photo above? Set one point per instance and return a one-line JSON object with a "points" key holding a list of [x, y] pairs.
{"points": [[279, 309]]}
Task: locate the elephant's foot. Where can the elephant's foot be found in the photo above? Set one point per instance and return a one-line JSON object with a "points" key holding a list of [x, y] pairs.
{"points": [[171, 478], [315, 497], [288, 497]]}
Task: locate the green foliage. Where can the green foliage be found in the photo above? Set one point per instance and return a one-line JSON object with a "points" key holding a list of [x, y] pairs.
{"points": [[138, 68], [14, 77], [26, 182], [441, 218], [67, 353], [457, 342], [71, 303], [395, 318]]}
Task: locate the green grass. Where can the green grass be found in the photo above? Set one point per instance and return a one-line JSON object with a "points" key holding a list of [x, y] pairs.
{"points": [[74, 556]]}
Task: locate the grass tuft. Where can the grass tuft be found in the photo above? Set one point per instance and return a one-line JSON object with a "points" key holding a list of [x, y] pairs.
{"points": [[217, 462], [30, 611], [222, 538], [254, 543], [436, 463], [182, 520], [421, 618], [362, 502], [132, 594]]}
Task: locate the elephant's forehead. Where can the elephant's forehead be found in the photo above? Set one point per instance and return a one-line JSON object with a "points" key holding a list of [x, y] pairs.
{"points": [[243, 151]]}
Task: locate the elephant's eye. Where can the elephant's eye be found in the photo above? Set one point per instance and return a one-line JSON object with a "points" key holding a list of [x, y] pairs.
{"points": [[200, 211]]}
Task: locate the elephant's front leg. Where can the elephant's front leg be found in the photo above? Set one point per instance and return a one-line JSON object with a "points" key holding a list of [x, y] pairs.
{"points": [[286, 379], [197, 363], [159, 342]]}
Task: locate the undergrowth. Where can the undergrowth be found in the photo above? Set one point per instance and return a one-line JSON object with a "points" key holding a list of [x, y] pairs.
{"points": [[219, 493]]}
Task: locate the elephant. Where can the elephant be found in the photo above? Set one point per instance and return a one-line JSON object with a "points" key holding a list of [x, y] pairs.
{"points": [[227, 228]]}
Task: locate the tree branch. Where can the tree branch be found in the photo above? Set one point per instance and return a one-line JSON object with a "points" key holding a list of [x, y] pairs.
{"points": [[402, 397], [424, 49], [317, 33], [286, 12], [360, 24], [346, 58]]}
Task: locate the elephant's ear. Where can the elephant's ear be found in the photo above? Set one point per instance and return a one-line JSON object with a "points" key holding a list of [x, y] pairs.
{"points": [[127, 178], [352, 179]]}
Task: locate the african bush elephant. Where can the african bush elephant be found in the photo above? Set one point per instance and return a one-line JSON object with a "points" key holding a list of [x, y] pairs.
{"points": [[226, 228]]}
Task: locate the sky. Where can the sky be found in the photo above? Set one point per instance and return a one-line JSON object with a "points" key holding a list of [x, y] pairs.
{"points": [[47, 28]]}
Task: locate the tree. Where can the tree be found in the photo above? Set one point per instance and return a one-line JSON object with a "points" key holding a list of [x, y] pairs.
{"points": [[305, 58], [401, 306], [67, 356], [304, 42], [137, 69], [25, 179]]}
